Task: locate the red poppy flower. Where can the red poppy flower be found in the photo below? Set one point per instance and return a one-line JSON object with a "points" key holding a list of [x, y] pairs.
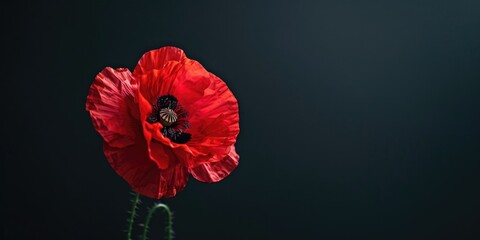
{"points": [[168, 119]]}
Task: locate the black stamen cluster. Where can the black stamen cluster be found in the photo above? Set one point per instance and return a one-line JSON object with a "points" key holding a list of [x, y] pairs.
{"points": [[175, 132]]}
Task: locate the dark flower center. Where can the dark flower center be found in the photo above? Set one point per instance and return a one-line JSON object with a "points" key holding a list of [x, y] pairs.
{"points": [[172, 116]]}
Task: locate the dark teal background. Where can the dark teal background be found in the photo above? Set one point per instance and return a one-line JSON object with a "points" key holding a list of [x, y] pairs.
{"points": [[359, 119]]}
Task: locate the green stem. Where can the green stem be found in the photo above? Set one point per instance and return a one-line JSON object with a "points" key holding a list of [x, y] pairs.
{"points": [[168, 228], [132, 215]]}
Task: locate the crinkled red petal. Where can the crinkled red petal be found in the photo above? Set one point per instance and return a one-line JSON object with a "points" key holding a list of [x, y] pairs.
{"points": [[214, 123], [142, 174], [172, 181], [156, 59], [186, 80], [216, 171], [111, 104]]}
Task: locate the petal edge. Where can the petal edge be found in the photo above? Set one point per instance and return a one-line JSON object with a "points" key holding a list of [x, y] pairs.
{"points": [[156, 59], [216, 171], [111, 104]]}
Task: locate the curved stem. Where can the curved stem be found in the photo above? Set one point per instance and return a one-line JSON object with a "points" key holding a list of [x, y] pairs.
{"points": [[168, 228], [132, 215]]}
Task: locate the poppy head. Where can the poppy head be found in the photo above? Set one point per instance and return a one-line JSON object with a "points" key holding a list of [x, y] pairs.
{"points": [[168, 119]]}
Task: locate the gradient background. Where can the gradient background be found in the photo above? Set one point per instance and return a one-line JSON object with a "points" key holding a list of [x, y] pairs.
{"points": [[359, 119]]}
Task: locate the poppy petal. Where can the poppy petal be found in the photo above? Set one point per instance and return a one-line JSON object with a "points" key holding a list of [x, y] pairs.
{"points": [[142, 174], [172, 181], [216, 171], [111, 103], [214, 122], [190, 83], [156, 59], [133, 164], [186, 80]]}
